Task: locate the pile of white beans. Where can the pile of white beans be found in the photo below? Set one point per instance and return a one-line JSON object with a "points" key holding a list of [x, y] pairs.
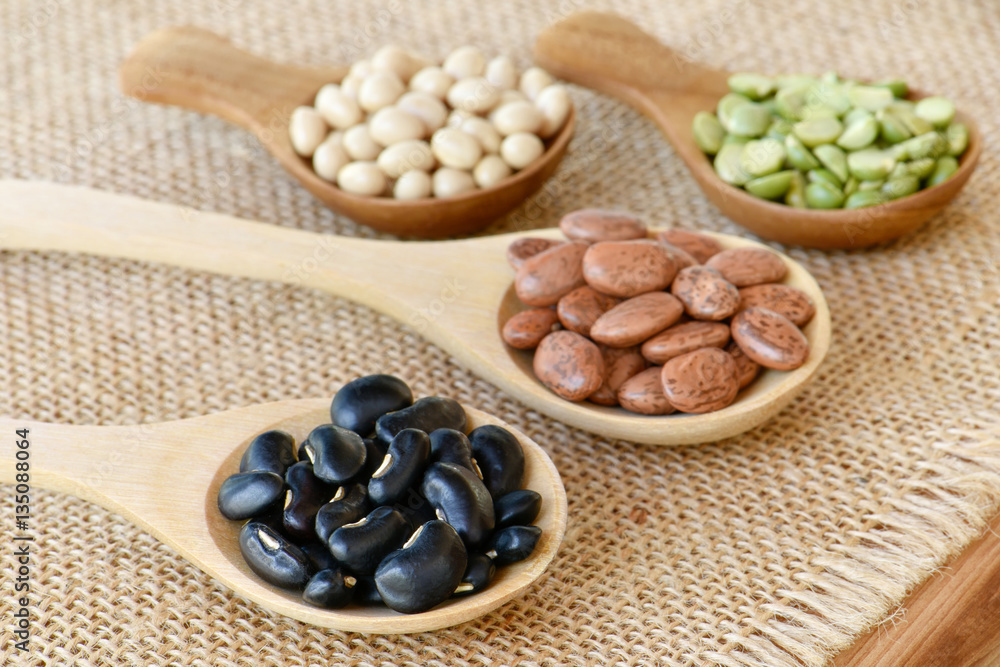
{"points": [[400, 126]]}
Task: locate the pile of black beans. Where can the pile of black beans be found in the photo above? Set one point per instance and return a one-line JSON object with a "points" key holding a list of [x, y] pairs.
{"points": [[392, 503]]}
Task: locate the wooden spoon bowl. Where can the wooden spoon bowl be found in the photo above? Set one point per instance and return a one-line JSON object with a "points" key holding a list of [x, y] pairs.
{"points": [[165, 478], [458, 294], [614, 56], [199, 70]]}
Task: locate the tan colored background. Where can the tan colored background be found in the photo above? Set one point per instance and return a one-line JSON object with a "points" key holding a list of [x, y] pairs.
{"points": [[774, 548]]}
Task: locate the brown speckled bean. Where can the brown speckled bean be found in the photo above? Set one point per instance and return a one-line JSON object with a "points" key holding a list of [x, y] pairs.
{"points": [[633, 321], [620, 364], [548, 276], [701, 381], [569, 365], [643, 393], [628, 268], [526, 329], [770, 339], [749, 266], [594, 224], [699, 246], [523, 249], [682, 257], [683, 338], [579, 309], [746, 368], [785, 300], [706, 295]]}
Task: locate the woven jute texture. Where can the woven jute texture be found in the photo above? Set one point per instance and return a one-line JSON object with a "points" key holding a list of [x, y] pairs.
{"points": [[774, 548]]}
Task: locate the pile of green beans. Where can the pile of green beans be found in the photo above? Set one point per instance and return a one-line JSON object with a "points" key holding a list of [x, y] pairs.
{"points": [[826, 143]]}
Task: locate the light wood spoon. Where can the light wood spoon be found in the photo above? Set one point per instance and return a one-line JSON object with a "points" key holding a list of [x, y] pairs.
{"points": [[458, 294], [165, 478], [614, 56], [199, 70]]}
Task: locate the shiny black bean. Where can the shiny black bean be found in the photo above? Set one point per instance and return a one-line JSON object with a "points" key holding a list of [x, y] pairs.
{"points": [[427, 414], [336, 453], [366, 592], [329, 589], [499, 457], [362, 545], [517, 508], [513, 543], [349, 504], [478, 574], [451, 446], [373, 459], [402, 466], [274, 559], [319, 555], [272, 451], [425, 572], [461, 500], [309, 493], [361, 402], [249, 494], [416, 509]]}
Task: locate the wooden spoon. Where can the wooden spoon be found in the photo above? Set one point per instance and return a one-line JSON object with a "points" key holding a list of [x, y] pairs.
{"points": [[165, 478], [614, 56], [199, 70], [457, 294]]}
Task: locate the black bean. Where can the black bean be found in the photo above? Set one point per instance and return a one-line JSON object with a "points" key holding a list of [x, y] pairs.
{"points": [[362, 545], [461, 499], [427, 414], [249, 494], [478, 574], [336, 453], [402, 466], [366, 592], [361, 402], [517, 508], [513, 543], [416, 509], [272, 451], [319, 555], [349, 504], [425, 572], [373, 459], [499, 457], [309, 493], [451, 446], [329, 589], [274, 559]]}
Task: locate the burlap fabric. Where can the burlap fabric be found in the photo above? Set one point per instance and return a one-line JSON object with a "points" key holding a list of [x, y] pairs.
{"points": [[773, 548]]}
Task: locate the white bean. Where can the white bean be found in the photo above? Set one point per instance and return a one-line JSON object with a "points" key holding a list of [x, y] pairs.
{"points": [[484, 132], [337, 108], [534, 80], [474, 94], [399, 61], [362, 178], [455, 148], [378, 90], [351, 85], [521, 149], [330, 157], [508, 96], [432, 80], [457, 117], [465, 61], [554, 103], [359, 143], [405, 156], [490, 171], [414, 184], [390, 125], [307, 130], [426, 107], [501, 73], [449, 182], [361, 69], [517, 117]]}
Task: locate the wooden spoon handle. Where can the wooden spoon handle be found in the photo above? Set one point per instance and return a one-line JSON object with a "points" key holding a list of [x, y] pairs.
{"points": [[199, 70]]}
